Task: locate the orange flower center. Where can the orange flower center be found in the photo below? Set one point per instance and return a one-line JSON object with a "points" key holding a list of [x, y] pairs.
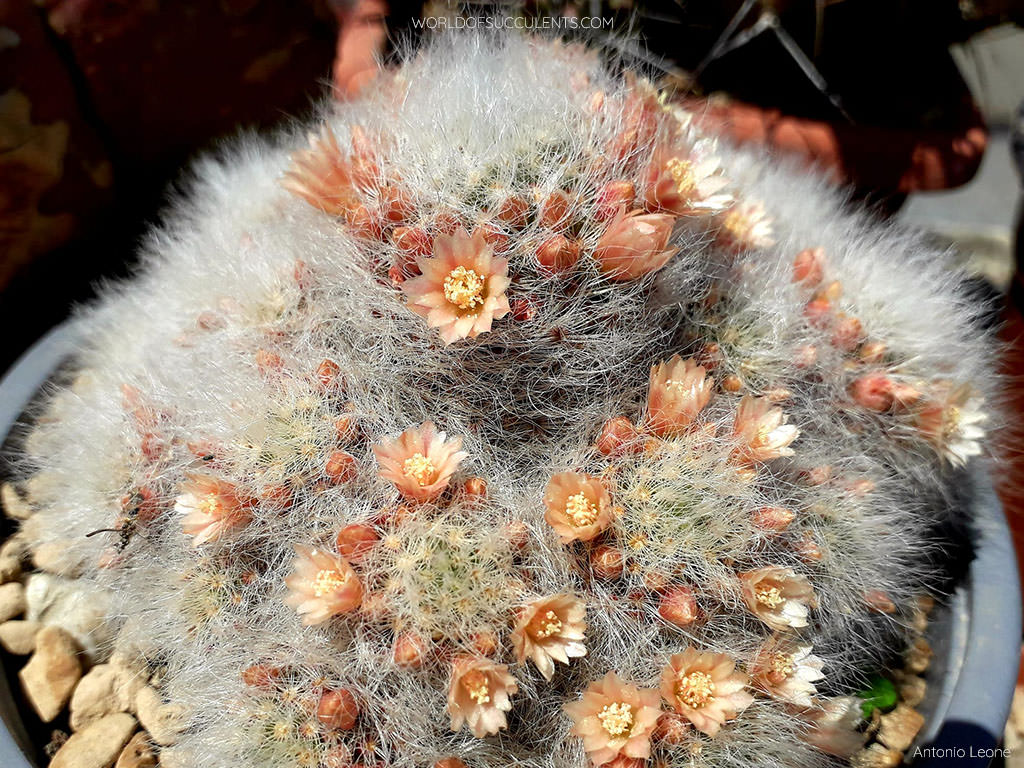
{"points": [[328, 581], [695, 689], [682, 175], [464, 288], [545, 625], [420, 469], [477, 686], [580, 510], [617, 718], [769, 596]]}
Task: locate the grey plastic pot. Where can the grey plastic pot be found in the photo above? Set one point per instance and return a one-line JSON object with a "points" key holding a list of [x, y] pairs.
{"points": [[976, 638]]}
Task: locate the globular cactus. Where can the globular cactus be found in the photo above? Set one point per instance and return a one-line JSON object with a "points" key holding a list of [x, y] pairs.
{"points": [[509, 419]]}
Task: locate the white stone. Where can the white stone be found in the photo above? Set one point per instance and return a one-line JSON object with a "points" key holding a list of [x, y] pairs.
{"points": [[163, 721], [79, 608]]}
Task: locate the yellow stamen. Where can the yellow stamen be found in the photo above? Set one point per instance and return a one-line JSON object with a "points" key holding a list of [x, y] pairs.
{"points": [[327, 582], [581, 510], [682, 175], [476, 685], [780, 667], [420, 469], [695, 689], [616, 719], [769, 596], [464, 288], [545, 625]]}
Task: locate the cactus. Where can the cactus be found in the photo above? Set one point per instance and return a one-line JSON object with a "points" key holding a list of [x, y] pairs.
{"points": [[509, 419]]}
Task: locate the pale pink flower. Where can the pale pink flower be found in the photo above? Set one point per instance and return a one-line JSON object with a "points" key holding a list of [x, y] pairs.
{"points": [[322, 585], [678, 391], [787, 670], [705, 688], [779, 597], [762, 430], [635, 244], [333, 181], [478, 695], [615, 718], [212, 509], [548, 630], [461, 288], [834, 726], [745, 226], [952, 423], [578, 506], [686, 183], [420, 461]]}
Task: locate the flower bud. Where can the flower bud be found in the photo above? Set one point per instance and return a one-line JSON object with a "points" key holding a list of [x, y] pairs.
{"points": [[476, 487], [410, 650], [672, 728], [607, 562], [872, 391], [613, 197], [338, 709], [355, 540], [655, 581], [513, 211], [805, 355], [809, 266], [873, 351], [848, 333], [554, 211], [808, 550], [268, 362], [879, 602], [773, 519], [261, 676], [485, 643], [732, 383], [517, 534], [450, 762], [558, 254], [619, 436], [678, 606], [340, 467], [523, 309], [414, 241], [328, 374]]}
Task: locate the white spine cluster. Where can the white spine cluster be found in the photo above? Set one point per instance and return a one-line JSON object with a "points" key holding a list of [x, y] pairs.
{"points": [[503, 239]]}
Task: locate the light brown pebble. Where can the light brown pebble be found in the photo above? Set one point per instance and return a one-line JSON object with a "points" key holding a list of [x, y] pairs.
{"points": [[900, 727], [918, 657], [52, 557], [15, 505], [163, 721], [52, 673], [12, 554], [137, 753], [912, 690], [95, 697], [875, 756], [12, 600], [98, 746], [19, 637]]}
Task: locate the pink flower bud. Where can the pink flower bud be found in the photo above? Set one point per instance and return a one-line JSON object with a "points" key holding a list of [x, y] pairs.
{"points": [[338, 709], [678, 606], [809, 266], [558, 254], [635, 244]]}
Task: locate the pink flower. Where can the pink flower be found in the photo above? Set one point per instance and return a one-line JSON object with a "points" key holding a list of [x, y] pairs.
{"points": [[787, 670], [461, 289], [834, 726], [578, 506], [212, 509], [615, 718], [331, 181], [420, 462], [952, 422], [779, 597], [635, 244], [478, 695], [678, 391], [705, 688], [762, 430], [686, 183], [322, 585], [550, 629], [745, 226]]}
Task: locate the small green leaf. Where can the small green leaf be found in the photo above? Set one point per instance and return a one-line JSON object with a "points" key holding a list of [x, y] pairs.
{"points": [[881, 694]]}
